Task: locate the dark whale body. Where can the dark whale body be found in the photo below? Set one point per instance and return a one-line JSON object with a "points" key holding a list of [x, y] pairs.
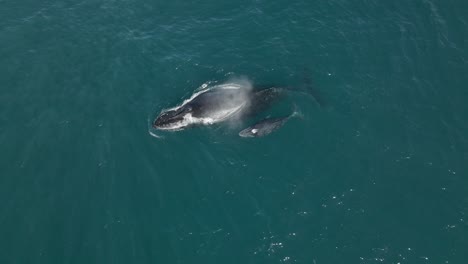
{"points": [[264, 127], [216, 105]]}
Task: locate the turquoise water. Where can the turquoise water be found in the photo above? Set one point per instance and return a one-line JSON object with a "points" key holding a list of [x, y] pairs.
{"points": [[377, 174]]}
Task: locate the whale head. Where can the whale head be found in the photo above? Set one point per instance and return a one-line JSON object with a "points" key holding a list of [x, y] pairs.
{"points": [[172, 119], [249, 132]]}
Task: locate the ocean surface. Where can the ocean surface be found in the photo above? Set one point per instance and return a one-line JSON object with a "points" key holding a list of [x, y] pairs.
{"points": [[375, 173]]}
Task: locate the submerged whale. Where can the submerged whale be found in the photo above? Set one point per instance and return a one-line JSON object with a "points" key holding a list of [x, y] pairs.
{"points": [[217, 104], [266, 126]]}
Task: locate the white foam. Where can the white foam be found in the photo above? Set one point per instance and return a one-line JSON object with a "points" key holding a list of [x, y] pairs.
{"points": [[154, 135]]}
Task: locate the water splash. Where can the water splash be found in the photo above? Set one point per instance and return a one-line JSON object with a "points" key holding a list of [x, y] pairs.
{"points": [[155, 135]]}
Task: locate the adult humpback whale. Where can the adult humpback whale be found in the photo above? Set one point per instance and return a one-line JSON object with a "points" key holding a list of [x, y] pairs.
{"points": [[217, 104]]}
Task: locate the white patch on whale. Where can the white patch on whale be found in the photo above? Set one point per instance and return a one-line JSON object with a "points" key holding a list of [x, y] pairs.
{"points": [[215, 118]]}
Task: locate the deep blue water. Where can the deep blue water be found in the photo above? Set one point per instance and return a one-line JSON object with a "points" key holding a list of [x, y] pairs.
{"points": [[376, 174]]}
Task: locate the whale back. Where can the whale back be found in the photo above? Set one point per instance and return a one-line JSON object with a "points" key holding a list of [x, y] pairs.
{"points": [[262, 100], [219, 103]]}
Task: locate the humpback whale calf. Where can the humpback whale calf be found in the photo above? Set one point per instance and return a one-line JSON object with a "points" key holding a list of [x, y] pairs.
{"points": [[217, 104], [266, 126]]}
